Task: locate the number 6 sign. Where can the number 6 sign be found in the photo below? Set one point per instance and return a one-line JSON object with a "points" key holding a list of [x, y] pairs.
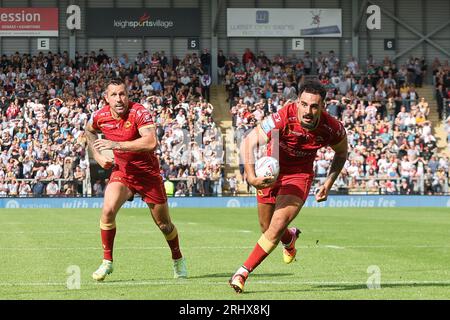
{"points": [[389, 44]]}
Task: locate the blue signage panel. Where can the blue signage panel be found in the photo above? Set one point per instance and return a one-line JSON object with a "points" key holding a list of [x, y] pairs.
{"points": [[235, 202]]}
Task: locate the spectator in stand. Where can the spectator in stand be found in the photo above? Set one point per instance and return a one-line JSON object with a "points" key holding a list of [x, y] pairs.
{"points": [[441, 95], [232, 183], [307, 63], [247, 56], [205, 81], [48, 90], [52, 189], [58, 141], [447, 130], [97, 188], [221, 60], [24, 189], [205, 59], [79, 176], [38, 188], [381, 111]]}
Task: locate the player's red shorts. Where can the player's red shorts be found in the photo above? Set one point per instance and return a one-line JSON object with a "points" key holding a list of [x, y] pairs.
{"points": [[151, 188], [292, 184]]}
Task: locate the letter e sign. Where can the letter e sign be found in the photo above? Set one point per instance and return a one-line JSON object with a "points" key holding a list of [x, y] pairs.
{"points": [[43, 44]]}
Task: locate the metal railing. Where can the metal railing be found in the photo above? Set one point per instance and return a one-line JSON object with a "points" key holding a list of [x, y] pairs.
{"points": [[87, 184], [390, 186], [198, 187], [45, 182], [417, 186], [219, 187]]}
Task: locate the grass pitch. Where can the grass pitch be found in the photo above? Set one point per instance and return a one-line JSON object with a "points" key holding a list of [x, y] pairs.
{"points": [[40, 249]]}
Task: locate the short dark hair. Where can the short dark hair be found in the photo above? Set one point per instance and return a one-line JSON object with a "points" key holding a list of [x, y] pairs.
{"points": [[115, 82], [314, 87]]}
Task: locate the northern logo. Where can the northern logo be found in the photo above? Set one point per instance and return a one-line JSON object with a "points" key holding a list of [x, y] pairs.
{"points": [[233, 203], [262, 16], [12, 204]]}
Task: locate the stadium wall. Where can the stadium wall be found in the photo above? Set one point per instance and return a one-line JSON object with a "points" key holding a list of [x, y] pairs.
{"points": [[234, 202], [423, 16]]}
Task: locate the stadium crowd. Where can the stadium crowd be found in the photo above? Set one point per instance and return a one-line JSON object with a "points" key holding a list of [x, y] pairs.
{"points": [[393, 149], [47, 99]]}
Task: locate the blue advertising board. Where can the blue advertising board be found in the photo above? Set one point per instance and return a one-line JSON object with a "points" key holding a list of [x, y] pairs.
{"points": [[352, 201]]}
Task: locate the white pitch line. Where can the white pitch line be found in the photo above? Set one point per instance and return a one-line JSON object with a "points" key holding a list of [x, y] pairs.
{"points": [[215, 283], [399, 246], [88, 222], [333, 247], [123, 248], [122, 232]]}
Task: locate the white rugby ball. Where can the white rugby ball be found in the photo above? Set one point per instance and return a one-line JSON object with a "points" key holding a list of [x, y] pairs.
{"points": [[266, 167]]}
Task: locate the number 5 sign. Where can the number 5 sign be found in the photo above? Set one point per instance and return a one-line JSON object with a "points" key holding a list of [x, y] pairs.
{"points": [[389, 44], [193, 44]]}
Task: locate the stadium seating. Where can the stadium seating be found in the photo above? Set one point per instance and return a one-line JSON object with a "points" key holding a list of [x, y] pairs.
{"points": [[387, 112], [46, 101]]}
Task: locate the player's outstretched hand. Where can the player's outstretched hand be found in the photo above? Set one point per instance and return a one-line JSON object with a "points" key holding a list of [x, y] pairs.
{"points": [[262, 182], [105, 162], [322, 194]]}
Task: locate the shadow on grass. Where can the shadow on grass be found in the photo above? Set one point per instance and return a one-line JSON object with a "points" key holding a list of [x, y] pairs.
{"points": [[228, 275], [338, 287]]}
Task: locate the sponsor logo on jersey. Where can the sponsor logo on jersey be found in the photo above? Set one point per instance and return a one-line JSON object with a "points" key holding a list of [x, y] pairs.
{"points": [[276, 117], [107, 125], [295, 133], [295, 152], [290, 130]]}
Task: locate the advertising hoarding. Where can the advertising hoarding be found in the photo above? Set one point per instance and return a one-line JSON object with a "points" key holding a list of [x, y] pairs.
{"points": [[260, 22], [142, 22], [28, 22]]}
